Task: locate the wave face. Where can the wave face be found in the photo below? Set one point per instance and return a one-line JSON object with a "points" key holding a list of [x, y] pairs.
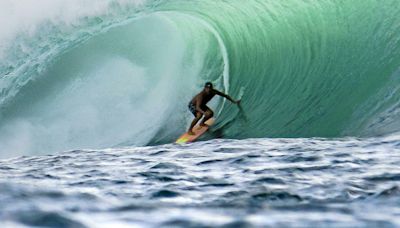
{"points": [[122, 73]]}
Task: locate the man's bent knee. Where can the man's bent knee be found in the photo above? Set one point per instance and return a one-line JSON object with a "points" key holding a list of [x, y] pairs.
{"points": [[209, 114]]}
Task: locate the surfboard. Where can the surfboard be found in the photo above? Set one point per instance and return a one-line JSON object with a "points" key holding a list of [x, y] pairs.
{"points": [[198, 131]]}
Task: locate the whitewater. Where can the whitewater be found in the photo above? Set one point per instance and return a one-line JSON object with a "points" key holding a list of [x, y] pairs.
{"points": [[93, 93]]}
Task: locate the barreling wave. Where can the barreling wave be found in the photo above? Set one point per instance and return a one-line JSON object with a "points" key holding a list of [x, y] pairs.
{"points": [[302, 68]]}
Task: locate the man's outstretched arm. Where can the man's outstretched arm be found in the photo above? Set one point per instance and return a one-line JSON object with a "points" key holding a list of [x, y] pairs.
{"points": [[227, 97]]}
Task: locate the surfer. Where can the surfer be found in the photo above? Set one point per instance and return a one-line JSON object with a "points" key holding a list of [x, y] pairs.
{"points": [[198, 105]]}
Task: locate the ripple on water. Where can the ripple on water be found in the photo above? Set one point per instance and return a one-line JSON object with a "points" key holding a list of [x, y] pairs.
{"points": [[256, 182]]}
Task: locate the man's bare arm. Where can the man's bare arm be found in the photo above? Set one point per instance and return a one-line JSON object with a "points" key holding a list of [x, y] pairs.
{"points": [[226, 96]]}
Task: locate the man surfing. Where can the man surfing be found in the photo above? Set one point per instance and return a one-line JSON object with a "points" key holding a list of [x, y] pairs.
{"points": [[198, 105]]}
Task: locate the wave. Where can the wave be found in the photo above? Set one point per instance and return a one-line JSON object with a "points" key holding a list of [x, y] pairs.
{"points": [[122, 73]]}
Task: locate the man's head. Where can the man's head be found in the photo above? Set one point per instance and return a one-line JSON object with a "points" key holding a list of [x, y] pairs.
{"points": [[208, 86]]}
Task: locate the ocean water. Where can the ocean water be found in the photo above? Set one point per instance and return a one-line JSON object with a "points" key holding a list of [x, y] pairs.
{"points": [[219, 183], [313, 144]]}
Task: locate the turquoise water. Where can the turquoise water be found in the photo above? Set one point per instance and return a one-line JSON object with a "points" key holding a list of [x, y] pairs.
{"points": [[309, 68]]}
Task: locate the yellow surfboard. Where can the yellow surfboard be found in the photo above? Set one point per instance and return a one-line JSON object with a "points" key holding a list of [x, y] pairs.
{"points": [[198, 131]]}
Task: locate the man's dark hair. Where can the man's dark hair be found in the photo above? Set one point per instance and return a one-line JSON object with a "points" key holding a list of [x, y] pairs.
{"points": [[208, 85]]}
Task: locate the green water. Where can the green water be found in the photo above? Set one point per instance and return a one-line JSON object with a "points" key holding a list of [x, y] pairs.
{"points": [[307, 67]]}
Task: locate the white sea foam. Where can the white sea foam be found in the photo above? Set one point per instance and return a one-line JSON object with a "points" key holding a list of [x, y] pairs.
{"points": [[25, 16]]}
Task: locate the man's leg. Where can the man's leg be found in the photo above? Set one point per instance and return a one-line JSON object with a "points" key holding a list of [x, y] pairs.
{"points": [[194, 122], [209, 113]]}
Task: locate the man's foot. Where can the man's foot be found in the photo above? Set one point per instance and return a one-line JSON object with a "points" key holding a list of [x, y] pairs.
{"points": [[190, 132]]}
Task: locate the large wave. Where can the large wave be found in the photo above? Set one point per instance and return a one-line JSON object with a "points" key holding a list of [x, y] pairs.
{"points": [[80, 75]]}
